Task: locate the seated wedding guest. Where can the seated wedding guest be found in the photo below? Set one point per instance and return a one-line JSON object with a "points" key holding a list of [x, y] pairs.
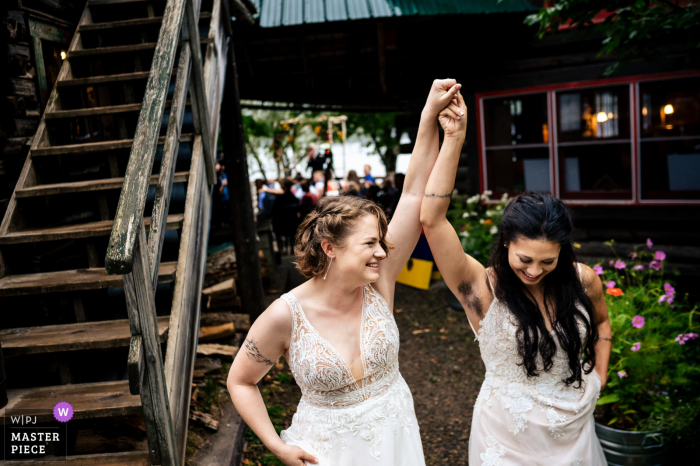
{"points": [[352, 189], [284, 216], [318, 183], [368, 175]]}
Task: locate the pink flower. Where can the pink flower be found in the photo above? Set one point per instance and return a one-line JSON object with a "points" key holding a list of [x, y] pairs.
{"points": [[691, 336], [639, 267], [611, 263], [621, 374], [656, 265], [636, 346], [598, 269], [649, 243], [680, 339], [638, 321], [660, 255], [619, 264], [634, 255], [663, 298], [610, 284], [668, 288]]}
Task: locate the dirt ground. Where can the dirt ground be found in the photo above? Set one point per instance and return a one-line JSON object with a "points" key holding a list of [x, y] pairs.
{"points": [[439, 360]]}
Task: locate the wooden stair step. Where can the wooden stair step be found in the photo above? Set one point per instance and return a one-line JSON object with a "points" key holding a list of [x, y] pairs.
{"points": [[73, 149], [107, 79], [99, 111], [121, 2], [122, 458], [72, 337], [130, 23], [72, 280], [82, 186], [89, 400], [81, 230], [122, 49], [120, 24]]}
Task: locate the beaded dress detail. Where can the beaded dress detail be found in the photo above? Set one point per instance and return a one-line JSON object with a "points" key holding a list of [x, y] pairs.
{"points": [[347, 420], [530, 420]]}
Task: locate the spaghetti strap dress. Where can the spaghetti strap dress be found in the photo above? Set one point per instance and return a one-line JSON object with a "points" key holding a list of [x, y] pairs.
{"points": [[535, 421], [346, 420]]}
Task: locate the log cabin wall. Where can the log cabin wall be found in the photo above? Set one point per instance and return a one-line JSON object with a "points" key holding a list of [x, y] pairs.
{"points": [[32, 36]]}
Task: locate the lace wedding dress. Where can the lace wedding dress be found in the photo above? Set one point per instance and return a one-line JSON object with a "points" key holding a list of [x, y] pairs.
{"points": [[352, 420], [522, 420]]}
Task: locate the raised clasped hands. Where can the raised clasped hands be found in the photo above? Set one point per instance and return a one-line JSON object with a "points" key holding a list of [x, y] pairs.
{"points": [[453, 117], [441, 93]]}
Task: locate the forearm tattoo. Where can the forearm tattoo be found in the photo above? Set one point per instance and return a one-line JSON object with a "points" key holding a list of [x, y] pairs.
{"points": [[253, 351], [606, 339], [439, 196]]}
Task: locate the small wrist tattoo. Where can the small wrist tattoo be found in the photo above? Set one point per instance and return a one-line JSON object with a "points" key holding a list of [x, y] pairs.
{"points": [[439, 196], [606, 339], [253, 351]]}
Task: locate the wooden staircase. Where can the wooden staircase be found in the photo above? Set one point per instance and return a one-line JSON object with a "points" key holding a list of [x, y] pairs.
{"points": [[103, 245]]}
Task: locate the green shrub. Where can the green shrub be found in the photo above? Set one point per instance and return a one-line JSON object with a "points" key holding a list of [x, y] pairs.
{"points": [[654, 376], [476, 222]]}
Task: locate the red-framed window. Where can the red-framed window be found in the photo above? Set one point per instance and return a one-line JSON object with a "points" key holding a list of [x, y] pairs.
{"points": [[632, 140]]}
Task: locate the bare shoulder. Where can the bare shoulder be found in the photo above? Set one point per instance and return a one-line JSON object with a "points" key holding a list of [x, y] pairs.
{"points": [[591, 281], [274, 325]]}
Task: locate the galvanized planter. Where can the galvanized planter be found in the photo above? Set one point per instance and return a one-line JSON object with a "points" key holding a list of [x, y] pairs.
{"points": [[624, 448]]}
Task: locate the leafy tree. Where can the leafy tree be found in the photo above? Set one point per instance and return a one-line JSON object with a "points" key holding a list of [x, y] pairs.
{"points": [[634, 28], [381, 130]]}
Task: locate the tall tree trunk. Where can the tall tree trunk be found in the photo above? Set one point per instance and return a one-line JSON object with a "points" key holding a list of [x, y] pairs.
{"points": [[257, 159]]}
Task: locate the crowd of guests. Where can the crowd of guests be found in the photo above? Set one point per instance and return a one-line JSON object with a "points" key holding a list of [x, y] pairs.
{"points": [[287, 201]]}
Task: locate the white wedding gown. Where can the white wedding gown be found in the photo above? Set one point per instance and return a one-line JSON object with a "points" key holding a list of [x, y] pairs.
{"points": [[349, 421], [530, 421]]}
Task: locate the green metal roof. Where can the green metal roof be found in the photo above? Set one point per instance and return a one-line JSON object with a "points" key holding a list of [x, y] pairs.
{"points": [[275, 13]]}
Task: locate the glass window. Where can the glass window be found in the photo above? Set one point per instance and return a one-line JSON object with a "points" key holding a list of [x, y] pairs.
{"points": [[593, 143], [514, 171], [669, 129], [516, 120], [517, 143]]}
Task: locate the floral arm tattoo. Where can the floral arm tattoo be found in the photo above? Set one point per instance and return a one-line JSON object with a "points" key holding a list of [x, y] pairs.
{"points": [[253, 351]]}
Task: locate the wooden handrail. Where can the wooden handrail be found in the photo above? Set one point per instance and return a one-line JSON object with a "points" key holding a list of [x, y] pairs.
{"points": [[132, 200]]}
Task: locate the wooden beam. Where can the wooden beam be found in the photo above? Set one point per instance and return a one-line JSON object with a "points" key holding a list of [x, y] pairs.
{"points": [[236, 162], [200, 106], [128, 219], [161, 203], [135, 365], [155, 402]]}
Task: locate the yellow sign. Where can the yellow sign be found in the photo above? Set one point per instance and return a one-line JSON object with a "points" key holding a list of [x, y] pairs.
{"points": [[416, 273]]}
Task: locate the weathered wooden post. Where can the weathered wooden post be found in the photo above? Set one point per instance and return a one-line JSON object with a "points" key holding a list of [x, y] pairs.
{"points": [[236, 163]]}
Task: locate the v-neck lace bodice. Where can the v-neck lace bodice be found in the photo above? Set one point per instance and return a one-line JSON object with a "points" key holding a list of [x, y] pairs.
{"points": [[324, 377]]}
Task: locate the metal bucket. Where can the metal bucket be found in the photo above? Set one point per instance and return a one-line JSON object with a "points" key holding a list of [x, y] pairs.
{"points": [[623, 448]]}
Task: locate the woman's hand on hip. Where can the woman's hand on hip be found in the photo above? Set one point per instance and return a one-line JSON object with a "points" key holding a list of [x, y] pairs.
{"points": [[291, 455], [441, 93]]}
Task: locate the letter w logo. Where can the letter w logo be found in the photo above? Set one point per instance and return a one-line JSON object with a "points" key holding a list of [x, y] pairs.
{"points": [[63, 411]]}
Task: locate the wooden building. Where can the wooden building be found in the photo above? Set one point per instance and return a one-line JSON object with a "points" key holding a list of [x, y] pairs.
{"points": [[110, 120], [621, 150]]}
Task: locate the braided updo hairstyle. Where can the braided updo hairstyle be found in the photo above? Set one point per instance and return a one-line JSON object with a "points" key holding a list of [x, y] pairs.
{"points": [[333, 219]]}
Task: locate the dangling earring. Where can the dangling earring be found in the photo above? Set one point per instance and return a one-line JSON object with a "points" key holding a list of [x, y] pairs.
{"points": [[329, 267]]}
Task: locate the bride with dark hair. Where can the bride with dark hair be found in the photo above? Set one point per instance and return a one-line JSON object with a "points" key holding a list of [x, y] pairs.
{"points": [[540, 319]]}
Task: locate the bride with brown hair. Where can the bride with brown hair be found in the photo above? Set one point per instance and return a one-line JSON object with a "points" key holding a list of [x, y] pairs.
{"points": [[337, 330]]}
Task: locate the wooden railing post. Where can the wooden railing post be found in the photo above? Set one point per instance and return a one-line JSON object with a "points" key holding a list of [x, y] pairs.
{"points": [[140, 302], [236, 162], [200, 109]]}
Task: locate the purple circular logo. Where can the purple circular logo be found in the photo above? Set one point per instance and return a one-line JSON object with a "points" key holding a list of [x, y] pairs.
{"points": [[63, 411]]}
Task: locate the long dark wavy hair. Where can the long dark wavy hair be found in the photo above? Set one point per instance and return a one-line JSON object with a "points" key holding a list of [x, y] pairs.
{"points": [[538, 216]]}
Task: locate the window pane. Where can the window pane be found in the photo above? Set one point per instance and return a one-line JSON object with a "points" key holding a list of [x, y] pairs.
{"points": [[670, 108], [517, 170], [595, 171], [516, 120], [593, 114], [671, 169]]}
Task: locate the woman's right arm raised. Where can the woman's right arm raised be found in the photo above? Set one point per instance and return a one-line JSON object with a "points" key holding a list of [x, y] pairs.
{"points": [[266, 341], [460, 271]]}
